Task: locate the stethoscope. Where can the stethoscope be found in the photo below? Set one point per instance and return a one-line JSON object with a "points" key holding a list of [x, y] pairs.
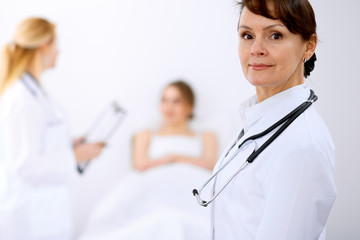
{"points": [[36, 91], [285, 122]]}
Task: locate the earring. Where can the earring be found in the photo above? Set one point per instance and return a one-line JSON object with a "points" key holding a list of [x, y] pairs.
{"points": [[305, 60]]}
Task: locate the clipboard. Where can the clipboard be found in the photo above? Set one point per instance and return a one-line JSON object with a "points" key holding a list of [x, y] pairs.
{"points": [[103, 128]]}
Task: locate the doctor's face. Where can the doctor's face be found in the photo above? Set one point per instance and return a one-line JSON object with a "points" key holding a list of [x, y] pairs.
{"points": [[49, 55], [270, 55], [174, 108], [53, 54]]}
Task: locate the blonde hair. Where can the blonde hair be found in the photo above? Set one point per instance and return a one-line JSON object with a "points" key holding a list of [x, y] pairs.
{"points": [[22, 52]]}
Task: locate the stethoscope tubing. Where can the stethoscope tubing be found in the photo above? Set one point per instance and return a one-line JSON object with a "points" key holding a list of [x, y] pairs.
{"points": [[286, 121], [34, 91]]}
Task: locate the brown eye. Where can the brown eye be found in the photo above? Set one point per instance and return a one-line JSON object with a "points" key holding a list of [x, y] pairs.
{"points": [[276, 36], [246, 36]]}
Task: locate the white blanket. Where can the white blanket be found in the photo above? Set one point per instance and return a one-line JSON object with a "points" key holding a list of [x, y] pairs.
{"points": [[157, 204]]}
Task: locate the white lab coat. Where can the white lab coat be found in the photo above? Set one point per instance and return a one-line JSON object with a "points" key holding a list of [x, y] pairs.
{"points": [[288, 191], [36, 162]]}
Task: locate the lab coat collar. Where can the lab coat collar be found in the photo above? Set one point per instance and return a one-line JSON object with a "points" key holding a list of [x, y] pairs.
{"points": [[32, 84], [55, 115], [278, 105]]}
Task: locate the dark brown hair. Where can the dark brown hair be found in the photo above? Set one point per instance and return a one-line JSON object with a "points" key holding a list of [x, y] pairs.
{"points": [[297, 15], [186, 92]]}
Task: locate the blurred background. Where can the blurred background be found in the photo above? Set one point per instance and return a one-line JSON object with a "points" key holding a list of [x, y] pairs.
{"points": [[128, 51]]}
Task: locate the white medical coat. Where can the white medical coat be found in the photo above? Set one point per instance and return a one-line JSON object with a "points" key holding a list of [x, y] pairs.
{"points": [[288, 191], [36, 161]]}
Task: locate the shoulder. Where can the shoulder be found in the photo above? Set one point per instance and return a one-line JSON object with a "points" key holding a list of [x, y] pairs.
{"points": [[144, 135], [16, 99], [208, 137], [306, 143], [310, 136], [317, 129], [15, 92]]}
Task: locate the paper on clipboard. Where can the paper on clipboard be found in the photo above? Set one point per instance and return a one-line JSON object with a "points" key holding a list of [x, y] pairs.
{"points": [[106, 124]]}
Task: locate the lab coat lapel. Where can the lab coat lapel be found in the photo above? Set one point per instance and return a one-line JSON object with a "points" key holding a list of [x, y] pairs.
{"points": [[52, 113], [260, 116]]}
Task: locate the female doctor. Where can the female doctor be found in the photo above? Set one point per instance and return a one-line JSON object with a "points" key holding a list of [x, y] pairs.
{"points": [[279, 184], [36, 152]]}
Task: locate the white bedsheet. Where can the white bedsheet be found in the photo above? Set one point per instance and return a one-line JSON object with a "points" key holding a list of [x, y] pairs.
{"points": [[157, 204]]}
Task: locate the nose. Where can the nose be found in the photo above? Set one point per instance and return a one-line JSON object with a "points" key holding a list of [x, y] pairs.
{"points": [[258, 48]]}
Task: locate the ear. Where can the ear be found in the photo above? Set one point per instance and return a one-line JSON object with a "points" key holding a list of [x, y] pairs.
{"points": [[310, 46], [42, 49], [190, 111]]}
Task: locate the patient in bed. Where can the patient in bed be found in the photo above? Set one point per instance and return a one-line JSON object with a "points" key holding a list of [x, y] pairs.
{"points": [[175, 142], [155, 201]]}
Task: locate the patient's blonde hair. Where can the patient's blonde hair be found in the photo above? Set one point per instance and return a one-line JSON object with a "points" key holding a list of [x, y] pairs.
{"points": [[22, 52]]}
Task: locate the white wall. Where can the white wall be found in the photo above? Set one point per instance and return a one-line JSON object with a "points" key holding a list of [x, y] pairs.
{"points": [[128, 50], [337, 82]]}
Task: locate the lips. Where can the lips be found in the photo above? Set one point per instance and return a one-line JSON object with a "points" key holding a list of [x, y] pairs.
{"points": [[259, 66]]}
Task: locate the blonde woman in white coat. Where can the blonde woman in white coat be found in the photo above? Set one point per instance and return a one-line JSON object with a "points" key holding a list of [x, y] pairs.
{"points": [[37, 154]]}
